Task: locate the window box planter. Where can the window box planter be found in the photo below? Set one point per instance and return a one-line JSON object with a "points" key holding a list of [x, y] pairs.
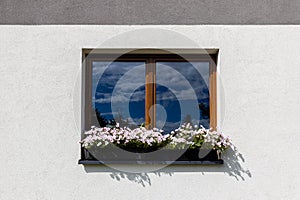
{"points": [[123, 145], [113, 155]]}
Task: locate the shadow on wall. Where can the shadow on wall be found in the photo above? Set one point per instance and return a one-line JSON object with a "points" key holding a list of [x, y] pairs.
{"points": [[233, 166]]}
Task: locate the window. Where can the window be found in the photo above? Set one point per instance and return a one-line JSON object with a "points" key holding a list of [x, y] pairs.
{"points": [[156, 90], [151, 88]]}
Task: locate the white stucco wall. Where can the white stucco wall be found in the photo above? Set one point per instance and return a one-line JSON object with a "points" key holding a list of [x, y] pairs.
{"points": [[40, 116]]}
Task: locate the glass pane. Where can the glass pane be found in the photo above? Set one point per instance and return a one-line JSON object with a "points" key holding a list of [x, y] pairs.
{"points": [[118, 93], [182, 94]]}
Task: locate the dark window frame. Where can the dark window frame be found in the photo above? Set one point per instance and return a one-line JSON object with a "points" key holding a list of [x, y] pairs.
{"points": [[149, 60]]}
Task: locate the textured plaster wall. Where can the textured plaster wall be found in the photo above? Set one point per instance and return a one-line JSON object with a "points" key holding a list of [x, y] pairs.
{"points": [[40, 121], [150, 12]]}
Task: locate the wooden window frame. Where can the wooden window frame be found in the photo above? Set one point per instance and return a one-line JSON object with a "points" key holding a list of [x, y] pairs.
{"points": [[150, 59]]}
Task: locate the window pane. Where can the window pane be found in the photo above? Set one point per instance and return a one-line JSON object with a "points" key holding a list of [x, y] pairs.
{"points": [[182, 94], [118, 93]]}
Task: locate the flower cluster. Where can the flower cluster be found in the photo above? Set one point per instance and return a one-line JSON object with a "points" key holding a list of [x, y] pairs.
{"points": [[125, 137], [186, 136]]}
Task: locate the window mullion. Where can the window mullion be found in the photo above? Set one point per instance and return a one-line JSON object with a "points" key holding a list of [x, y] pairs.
{"points": [[150, 110], [213, 94]]}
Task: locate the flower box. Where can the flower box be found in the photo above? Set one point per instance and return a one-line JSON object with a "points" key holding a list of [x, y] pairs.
{"points": [[117, 154], [185, 144]]}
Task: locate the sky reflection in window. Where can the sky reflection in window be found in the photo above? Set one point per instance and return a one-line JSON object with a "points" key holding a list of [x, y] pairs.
{"points": [[182, 94]]}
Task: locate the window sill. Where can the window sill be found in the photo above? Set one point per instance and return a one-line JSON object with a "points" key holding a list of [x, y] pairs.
{"points": [[152, 162]]}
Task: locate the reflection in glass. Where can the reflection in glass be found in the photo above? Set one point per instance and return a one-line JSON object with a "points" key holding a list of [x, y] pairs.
{"points": [[182, 94], [182, 89], [118, 93]]}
